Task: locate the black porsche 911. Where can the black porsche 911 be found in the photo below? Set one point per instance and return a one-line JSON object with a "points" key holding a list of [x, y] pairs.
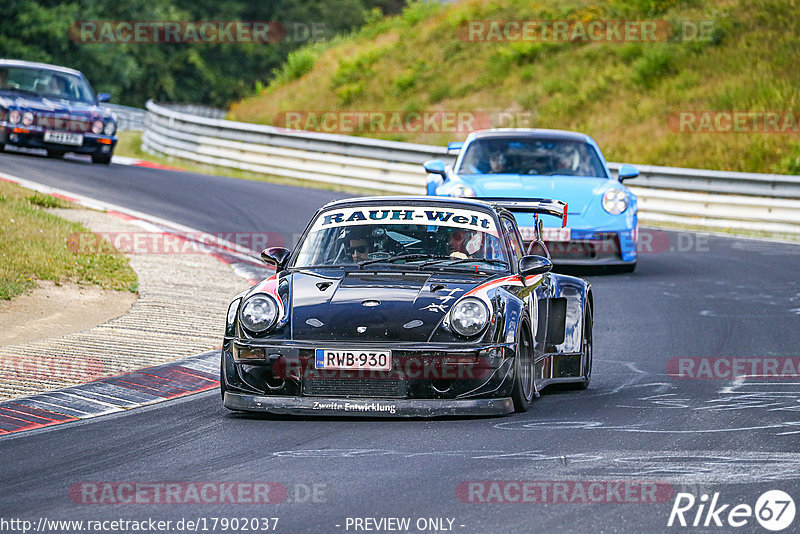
{"points": [[407, 306], [54, 108]]}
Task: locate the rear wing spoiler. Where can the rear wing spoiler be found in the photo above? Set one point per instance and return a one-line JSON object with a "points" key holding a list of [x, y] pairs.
{"points": [[556, 208]]}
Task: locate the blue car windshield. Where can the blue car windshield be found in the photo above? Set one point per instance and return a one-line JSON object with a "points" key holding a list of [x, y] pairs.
{"points": [[544, 157], [45, 83]]}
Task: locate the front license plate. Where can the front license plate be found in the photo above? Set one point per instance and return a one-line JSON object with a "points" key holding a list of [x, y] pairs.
{"points": [[549, 234], [63, 138], [368, 360], [561, 235]]}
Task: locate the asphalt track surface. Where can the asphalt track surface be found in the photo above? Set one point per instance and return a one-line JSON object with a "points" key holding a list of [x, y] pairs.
{"points": [[698, 296]]}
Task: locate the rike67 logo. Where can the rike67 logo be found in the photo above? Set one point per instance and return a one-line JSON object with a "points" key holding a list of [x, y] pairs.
{"points": [[774, 510]]}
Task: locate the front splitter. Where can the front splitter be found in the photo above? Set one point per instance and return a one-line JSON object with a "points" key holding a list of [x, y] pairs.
{"points": [[328, 406]]}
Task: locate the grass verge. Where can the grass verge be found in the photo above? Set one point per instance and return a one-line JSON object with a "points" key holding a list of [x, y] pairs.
{"points": [[33, 246]]}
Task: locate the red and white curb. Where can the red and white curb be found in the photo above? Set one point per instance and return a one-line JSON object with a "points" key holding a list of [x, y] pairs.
{"points": [[137, 388], [124, 160], [110, 395]]}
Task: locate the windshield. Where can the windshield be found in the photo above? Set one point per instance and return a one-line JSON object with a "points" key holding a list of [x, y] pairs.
{"points": [[518, 155], [46, 83], [460, 238]]}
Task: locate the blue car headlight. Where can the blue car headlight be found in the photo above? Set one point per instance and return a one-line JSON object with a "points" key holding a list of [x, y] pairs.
{"points": [[461, 190], [110, 128], [615, 201]]}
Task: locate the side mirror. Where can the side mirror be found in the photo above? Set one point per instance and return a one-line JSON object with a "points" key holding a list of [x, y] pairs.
{"points": [[103, 97], [437, 167], [531, 265], [626, 172], [276, 256]]}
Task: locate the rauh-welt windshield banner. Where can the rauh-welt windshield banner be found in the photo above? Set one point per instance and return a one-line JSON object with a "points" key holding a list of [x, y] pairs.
{"points": [[405, 215]]}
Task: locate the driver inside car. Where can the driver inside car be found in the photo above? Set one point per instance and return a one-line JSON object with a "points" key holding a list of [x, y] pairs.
{"points": [[464, 243]]}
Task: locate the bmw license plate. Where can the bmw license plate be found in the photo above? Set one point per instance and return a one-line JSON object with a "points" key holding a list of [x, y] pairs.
{"points": [[63, 138], [353, 360], [549, 234]]}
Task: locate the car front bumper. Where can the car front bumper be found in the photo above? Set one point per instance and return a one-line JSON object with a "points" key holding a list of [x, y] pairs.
{"points": [[328, 406], [31, 138], [446, 373]]}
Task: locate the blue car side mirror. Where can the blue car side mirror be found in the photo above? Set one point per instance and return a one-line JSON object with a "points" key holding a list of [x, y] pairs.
{"points": [[626, 172], [436, 167], [103, 97]]}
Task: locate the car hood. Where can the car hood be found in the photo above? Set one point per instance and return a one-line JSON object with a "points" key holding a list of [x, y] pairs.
{"points": [[386, 305], [72, 110], [577, 191]]}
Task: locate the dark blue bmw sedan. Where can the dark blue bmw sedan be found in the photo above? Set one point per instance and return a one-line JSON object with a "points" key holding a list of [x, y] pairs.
{"points": [[54, 108]]}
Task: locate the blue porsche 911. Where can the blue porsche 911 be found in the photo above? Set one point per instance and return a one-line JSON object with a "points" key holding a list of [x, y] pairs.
{"points": [[569, 166]]}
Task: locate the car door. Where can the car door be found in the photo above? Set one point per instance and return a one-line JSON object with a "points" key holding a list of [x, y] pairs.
{"points": [[537, 301]]}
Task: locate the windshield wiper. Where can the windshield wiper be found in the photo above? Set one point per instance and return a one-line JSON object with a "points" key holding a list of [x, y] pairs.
{"points": [[481, 260], [390, 259]]}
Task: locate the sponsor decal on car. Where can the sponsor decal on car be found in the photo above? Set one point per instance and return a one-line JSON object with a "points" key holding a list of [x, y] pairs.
{"points": [[404, 215]]}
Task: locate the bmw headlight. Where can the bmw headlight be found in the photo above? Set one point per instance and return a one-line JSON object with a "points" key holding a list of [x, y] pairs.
{"points": [[97, 127], [27, 118], [14, 116], [469, 316], [259, 313], [615, 201], [110, 128], [461, 190]]}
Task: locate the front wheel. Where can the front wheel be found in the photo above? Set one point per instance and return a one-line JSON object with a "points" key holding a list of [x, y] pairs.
{"points": [[103, 159], [524, 387]]}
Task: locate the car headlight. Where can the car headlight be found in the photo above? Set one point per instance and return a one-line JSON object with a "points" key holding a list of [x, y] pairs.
{"points": [[460, 190], [259, 313], [15, 116], [27, 118], [97, 127], [615, 201], [110, 128], [469, 316]]}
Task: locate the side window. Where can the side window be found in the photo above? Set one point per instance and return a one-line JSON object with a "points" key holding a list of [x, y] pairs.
{"points": [[513, 238]]}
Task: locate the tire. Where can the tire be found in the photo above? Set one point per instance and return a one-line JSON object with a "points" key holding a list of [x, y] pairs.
{"points": [[101, 159], [523, 391], [586, 351], [222, 388], [55, 154], [2, 147]]}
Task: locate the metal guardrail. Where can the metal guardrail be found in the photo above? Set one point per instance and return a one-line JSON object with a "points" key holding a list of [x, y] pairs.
{"points": [[128, 118], [715, 199]]}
